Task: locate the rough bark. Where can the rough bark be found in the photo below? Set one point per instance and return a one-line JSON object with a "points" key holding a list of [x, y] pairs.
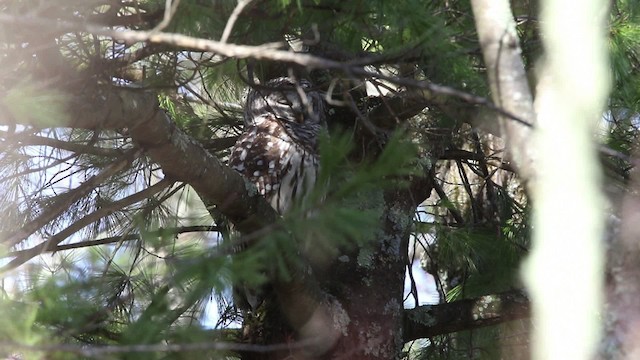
{"points": [[372, 289], [358, 314]]}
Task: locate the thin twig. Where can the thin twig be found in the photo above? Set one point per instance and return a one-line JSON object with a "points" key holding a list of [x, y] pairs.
{"points": [[449, 205], [170, 8], [65, 201], [53, 241], [232, 19], [270, 52], [467, 186], [77, 147], [115, 239]]}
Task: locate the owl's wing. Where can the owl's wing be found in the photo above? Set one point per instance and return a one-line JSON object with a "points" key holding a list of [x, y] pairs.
{"points": [[257, 155]]}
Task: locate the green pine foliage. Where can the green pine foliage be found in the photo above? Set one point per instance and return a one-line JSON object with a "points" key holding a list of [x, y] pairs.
{"points": [[149, 282]]}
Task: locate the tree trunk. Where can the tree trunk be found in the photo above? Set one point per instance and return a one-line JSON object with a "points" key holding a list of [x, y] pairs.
{"points": [[359, 312]]}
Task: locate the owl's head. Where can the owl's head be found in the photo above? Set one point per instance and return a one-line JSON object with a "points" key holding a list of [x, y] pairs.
{"points": [[294, 103]]}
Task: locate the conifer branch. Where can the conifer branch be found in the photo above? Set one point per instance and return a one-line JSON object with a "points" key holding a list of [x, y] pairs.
{"points": [[421, 322], [117, 239], [101, 351], [468, 314], [64, 201], [138, 114], [77, 147], [51, 243], [270, 52]]}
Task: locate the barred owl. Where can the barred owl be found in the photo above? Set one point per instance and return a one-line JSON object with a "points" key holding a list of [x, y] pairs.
{"points": [[278, 150]]}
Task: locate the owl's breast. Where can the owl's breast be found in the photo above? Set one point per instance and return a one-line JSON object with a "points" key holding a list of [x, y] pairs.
{"points": [[282, 170]]}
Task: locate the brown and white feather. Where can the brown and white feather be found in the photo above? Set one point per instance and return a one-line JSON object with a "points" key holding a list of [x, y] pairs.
{"points": [[278, 150]]}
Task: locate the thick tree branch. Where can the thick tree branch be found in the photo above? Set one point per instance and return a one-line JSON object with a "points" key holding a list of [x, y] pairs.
{"points": [[270, 52], [431, 320], [507, 78], [218, 144], [182, 159]]}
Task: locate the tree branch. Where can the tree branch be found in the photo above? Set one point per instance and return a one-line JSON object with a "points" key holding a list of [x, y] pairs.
{"points": [[65, 200], [138, 114], [101, 351], [51, 243], [232, 19], [116, 239], [184, 159], [431, 320], [507, 78], [459, 154], [270, 52], [80, 148]]}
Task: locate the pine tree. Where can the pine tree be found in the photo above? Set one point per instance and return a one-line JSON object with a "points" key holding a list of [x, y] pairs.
{"points": [[116, 120]]}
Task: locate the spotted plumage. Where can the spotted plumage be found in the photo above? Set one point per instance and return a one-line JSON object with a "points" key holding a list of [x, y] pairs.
{"points": [[278, 150]]}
